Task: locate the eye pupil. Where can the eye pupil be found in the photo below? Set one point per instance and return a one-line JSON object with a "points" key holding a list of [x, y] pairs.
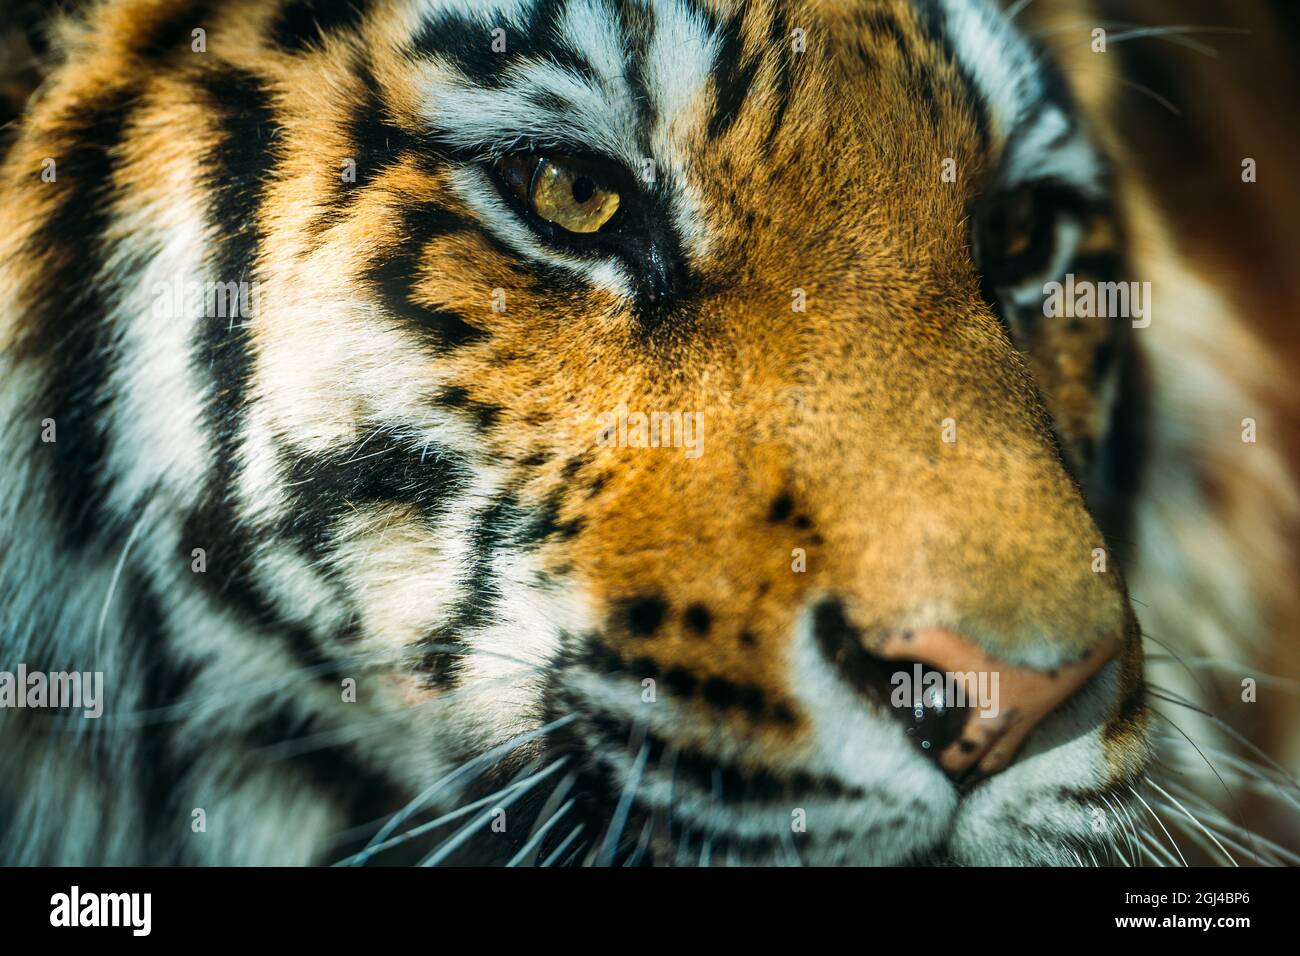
{"points": [[561, 191]]}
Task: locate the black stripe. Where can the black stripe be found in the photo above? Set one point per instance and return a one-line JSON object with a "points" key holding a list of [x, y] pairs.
{"points": [[377, 143], [717, 692], [395, 275], [931, 18], [439, 669], [536, 458], [1117, 475], [883, 27], [303, 22], [231, 580], [168, 749], [485, 414], [241, 161], [503, 525], [637, 25], [1106, 266], [733, 75], [493, 528], [394, 280], [694, 767], [388, 465], [780, 41], [67, 327], [546, 522], [173, 30], [922, 76], [547, 101], [467, 43]]}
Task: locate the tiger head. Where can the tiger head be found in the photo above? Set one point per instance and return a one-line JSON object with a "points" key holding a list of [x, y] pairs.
{"points": [[653, 406]]}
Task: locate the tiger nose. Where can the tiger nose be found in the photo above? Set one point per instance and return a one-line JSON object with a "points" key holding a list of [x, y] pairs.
{"points": [[993, 729]]}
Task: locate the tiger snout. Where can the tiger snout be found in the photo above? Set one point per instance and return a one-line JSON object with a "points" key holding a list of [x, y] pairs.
{"points": [[824, 636]]}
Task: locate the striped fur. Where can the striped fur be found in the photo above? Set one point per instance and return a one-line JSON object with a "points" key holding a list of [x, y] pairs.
{"points": [[391, 480]]}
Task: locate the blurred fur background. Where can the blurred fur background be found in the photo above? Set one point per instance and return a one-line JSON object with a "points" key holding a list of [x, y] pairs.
{"points": [[1194, 105]]}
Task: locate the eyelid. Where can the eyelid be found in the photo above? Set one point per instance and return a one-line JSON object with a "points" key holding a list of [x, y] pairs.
{"points": [[519, 173]]}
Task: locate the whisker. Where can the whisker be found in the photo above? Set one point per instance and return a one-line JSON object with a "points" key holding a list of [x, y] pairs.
{"points": [[787, 841], [555, 854], [519, 788], [1245, 775], [642, 843], [1158, 854], [1123, 829], [535, 841], [1178, 699], [1222, 825], [422, 829], [377, 843], [624, 807], [1222, 664], [1175, 33], [549, 809], [1172, 841], [706, 847], [1232, 797], [1205, 691], [1189, 816], [1139, 831], [1132, 84], [117, 575]]}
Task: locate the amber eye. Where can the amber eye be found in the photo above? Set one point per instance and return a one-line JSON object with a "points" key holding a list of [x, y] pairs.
{"points": [[1018, 226], [1015, 230], [1018, 237], [566, 193]]}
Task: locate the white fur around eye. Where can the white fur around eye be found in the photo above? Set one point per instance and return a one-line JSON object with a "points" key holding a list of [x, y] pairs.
{"points": [[482, 197]]}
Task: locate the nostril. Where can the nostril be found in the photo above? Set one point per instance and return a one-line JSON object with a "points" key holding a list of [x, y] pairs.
{"points": [[903, 687], [985, 707], [1012, 699], [932, 720]]}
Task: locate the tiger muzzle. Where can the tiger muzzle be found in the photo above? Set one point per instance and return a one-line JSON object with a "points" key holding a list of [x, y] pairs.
{"points": [[997, 704]]}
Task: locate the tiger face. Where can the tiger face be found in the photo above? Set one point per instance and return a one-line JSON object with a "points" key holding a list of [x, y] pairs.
{"points": [[623, 400]]}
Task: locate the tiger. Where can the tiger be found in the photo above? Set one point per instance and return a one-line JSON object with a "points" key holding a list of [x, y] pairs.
{"points": [[544, 432]]}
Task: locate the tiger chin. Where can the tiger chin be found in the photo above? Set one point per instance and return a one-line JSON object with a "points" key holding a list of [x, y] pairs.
{"points": [[354, 356]]}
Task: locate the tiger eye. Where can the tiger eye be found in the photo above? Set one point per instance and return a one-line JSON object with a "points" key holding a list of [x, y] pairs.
{"points": [[571, 198], [518, 171], [1021, 218]]}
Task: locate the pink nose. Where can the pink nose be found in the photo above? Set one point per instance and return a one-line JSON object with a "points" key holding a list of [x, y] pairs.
{"points": [[1026, 695]]}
